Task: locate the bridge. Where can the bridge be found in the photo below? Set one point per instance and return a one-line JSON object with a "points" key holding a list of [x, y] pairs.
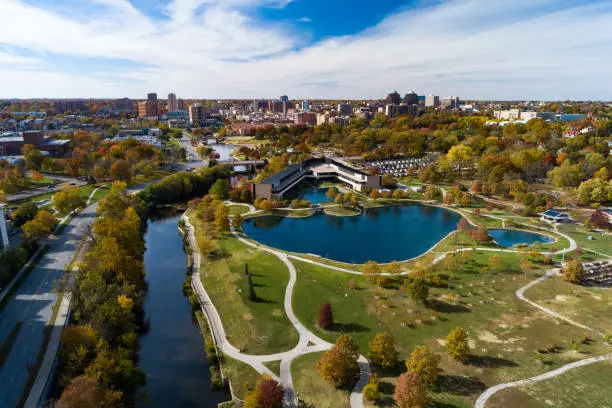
{"points": [[250, 164]]}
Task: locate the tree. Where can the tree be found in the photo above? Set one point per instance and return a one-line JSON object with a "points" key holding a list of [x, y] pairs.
{"points": [[40, 227], [326, 317], [463, 225], [270, 393], [481, 234], [338, 365], [2, 197], [410, 392], [120, 171], [371, 269], [418, 290], [24, 213], [382, 350], [573, 271], [84, 392], [237, 221], [495, 263], [374, 194], [457, 344], [598, 218], [432, 193], [339, 199], [370, 391], [68, 200], [220, 189], [424, 363], [222, 218], [394, 268], [331, 193], [34, 159]]}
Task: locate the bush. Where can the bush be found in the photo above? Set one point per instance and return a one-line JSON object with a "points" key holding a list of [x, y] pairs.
{"points": [[371, 392]]}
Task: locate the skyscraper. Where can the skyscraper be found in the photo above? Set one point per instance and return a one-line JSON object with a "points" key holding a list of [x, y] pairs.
{"points": [[284, 98], [305, 106], [197, 113], [172, 102], [149, 107]]}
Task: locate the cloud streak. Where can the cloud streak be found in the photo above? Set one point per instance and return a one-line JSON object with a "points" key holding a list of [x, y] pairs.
{"points": [[526, 49]]}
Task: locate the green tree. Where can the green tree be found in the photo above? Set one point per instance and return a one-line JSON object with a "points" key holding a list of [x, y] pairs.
{"points": [[457, 344], [382, 350], [24, 213], [331, 193], [40, 227], [68, 200], [237, 222], [424, 363], [220, 189], [418, 290]]}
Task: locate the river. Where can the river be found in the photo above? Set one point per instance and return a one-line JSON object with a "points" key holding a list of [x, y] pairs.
{"points": [[172, 351]]}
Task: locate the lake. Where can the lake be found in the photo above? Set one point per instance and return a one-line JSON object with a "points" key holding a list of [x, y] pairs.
{"points": [[380, 234]]}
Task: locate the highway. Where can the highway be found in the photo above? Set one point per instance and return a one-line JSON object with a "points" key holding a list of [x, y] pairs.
{"points": [[32, 303]]}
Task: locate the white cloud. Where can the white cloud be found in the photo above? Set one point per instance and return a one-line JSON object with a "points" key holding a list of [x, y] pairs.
{"points": [[474, 48], [305, 20]]}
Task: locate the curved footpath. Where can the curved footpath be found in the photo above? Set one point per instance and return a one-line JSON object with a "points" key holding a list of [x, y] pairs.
{"points": [[485, 396], [308, 342]]}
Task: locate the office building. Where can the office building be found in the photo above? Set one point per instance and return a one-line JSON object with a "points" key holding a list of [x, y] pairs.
{"points": [[450, 103], [345, 109], [411, 98], [284, 98], [149, 108], [197, 113], [172, 102], [306, 106], [432, 101], [393, 98], [397, 110], [276, 106]]}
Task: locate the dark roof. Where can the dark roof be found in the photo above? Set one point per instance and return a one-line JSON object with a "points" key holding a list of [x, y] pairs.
{"points": [[607, 210], [554, 214], [289, 170]]}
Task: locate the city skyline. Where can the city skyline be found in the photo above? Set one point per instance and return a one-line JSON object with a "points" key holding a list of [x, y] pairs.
{"points": [[239, 49]]}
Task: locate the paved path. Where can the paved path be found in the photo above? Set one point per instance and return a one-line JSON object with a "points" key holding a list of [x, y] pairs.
{"points": [[485, 396], [306, 337]]}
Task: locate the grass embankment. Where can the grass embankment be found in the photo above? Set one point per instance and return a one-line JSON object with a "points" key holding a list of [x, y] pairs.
{"points": [[508, 337], [340, 211], [241, 376], [587, 386], [274, 366], [238, 209], [314, 390], [301, 213], [257, 326], [587, 305]]}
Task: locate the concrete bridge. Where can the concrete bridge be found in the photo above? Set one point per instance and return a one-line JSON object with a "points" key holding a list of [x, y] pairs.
{"points": [[251, 165]]}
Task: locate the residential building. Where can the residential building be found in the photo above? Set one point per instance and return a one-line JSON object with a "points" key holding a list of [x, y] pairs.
{"points": [[345, 109], [197, 113], [148, 108], [432, 101], [306, 118], [62, 106], [172, 102], [340, 120], [322, 119], [282, 182]]}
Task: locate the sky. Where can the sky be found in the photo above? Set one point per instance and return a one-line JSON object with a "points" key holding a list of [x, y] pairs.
{"points": [[311, 49]]}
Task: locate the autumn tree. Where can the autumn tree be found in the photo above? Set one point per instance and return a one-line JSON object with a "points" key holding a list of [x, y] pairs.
{"points": [[432, 193], [481, 234], [24, 213], [418, 290], [331, 193], [394, 268], [370, 270], [222, 218], [40, 227], [338, 365], [237, 221], [457, 344], [495, 263], [382, 350], [326, 317], [85, 392], [573, 271], [121, 171], [463, 225], [220, 189], [268, 393], [424, 363], [410, 392], [68, 200]]}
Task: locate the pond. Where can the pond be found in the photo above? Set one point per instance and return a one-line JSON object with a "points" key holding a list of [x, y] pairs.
{"points": [[379, 234], [315, 196], [508, 237], [172, 351]]}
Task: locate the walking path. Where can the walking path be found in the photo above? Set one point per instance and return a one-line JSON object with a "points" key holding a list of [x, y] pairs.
{"points": [[308, 342], [485, 396]]}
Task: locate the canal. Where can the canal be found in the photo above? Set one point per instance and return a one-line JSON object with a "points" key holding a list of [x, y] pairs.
{"points": [[172, 351]]}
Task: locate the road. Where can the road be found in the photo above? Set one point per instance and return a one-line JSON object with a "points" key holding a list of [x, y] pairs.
{"points": [[194, 162], [44, 190], [32, 303]]}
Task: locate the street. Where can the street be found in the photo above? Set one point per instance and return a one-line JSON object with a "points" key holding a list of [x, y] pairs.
{"points": [[32, 303]]}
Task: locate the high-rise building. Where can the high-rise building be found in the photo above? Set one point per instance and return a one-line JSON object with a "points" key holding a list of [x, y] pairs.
{"points": [[345, 109], [432, 101], [451, 102], [152, 97], [197, 113], [393, 98], [149, 107], [3, 232], [306, 106], [284, 98], [172, 102], [276, 106], [411, 98]]}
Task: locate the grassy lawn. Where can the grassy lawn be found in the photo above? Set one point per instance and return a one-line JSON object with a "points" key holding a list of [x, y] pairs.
{"points": [[255, 327], [341, 211], [587, 386], [505, 333], [303, 213], [238, 209], [600, 243], [274, 366], [242, 376], [586, 305], [312, 389]]}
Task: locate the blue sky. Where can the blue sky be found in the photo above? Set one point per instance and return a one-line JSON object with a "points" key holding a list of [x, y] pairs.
{"points": [[485, 49]]}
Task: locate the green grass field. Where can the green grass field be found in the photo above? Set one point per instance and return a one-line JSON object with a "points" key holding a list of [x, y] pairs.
{"points": [[600, 242], [312, 389], [238, 209], [341, 211], [587, 386], [255, 327], [242, 376]]}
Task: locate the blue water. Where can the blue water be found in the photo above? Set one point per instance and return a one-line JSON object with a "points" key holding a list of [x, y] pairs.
{"points": [[315, 196], [381, 234], [507, 238]]}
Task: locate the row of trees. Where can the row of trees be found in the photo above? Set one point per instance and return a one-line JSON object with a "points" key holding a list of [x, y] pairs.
{"points": [[97, 365]]}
